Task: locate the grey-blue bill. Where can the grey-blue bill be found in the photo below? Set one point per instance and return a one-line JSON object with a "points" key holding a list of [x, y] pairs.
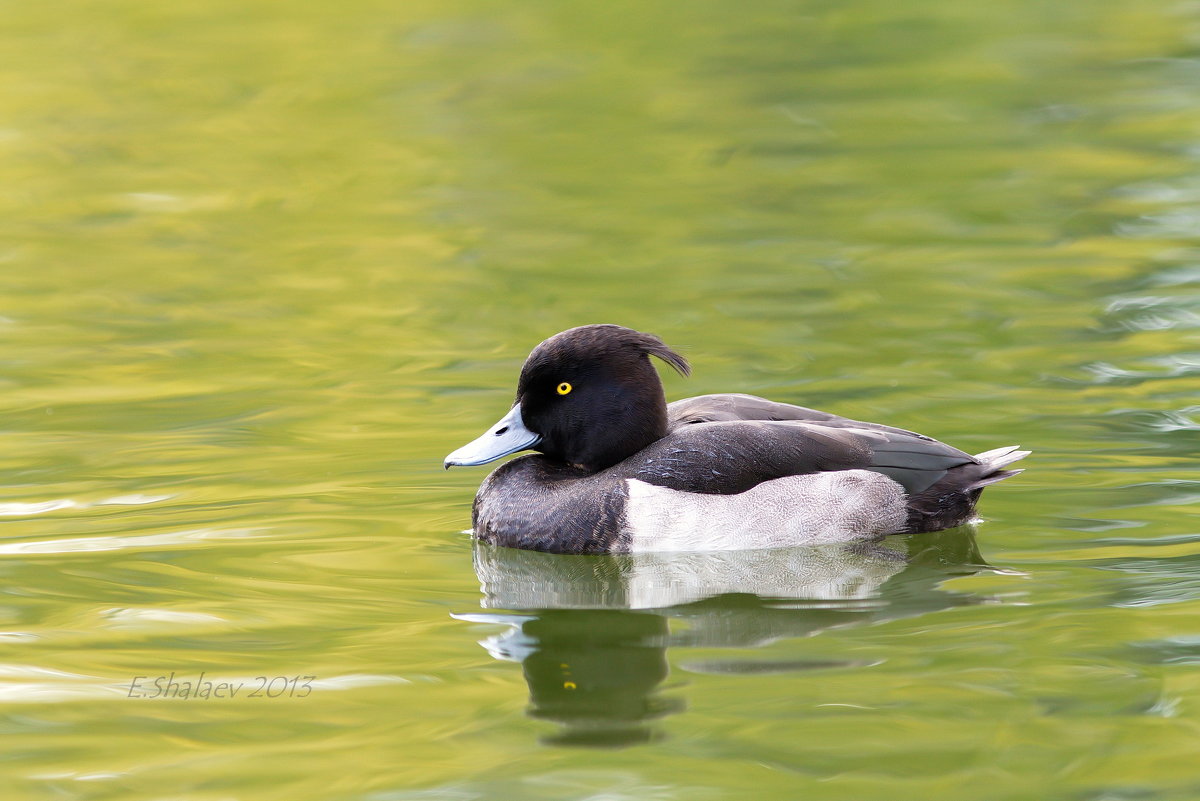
{"points": [[509, 435]]}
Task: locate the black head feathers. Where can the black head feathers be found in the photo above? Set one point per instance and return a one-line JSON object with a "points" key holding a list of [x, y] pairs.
{"points": [[600, 344], [592, 396]]}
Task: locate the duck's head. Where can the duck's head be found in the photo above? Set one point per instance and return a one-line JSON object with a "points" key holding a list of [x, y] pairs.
{"points": [[587, 397]]}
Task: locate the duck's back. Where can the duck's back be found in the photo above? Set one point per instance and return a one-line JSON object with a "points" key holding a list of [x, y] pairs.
{"points": [[729, 443], [735, 407]]}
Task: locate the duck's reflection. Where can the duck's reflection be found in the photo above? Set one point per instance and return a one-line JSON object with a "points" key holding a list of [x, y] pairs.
{"points": [[592, 633]]}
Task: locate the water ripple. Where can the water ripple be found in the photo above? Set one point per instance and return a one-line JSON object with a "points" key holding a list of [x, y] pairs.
{"points": [[30, 508], [115, 543], [127, 618], [1175, 365], [1182, 649], [1180, 223], [18, 509], [1152, 313]]}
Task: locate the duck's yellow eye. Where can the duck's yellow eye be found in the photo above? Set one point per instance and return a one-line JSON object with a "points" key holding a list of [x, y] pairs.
{"points": [[564, 388]]}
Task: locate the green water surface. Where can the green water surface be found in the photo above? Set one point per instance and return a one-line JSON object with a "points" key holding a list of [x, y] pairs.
{"points": [[263, 264]]}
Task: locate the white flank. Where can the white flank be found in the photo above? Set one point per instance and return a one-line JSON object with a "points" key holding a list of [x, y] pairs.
{"points": [[817, 509]]}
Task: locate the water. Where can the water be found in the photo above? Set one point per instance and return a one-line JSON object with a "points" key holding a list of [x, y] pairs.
{"points": [[262, 267]]}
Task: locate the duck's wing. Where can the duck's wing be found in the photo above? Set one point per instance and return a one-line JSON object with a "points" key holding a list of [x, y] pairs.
{"points": [[733, 407], [732, 456]]}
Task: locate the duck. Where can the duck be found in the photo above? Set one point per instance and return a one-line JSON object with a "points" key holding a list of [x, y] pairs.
{"points": [[617, 469]]}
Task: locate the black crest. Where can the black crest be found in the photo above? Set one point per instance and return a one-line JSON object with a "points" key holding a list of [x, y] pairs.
{"points": [[599, 343]]}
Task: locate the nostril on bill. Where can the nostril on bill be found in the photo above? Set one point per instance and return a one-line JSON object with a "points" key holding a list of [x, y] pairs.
{"points": [[501, 431]]}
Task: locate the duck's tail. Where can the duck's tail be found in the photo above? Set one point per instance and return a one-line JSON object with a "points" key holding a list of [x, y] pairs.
{"points": [[951, 500], [992, 464]]}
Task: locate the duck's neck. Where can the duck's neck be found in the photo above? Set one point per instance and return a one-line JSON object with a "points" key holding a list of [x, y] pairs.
{"points": [[627, 434]]}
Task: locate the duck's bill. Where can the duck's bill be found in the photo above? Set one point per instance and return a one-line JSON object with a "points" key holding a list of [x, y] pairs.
{"points": [[507, 436]]}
